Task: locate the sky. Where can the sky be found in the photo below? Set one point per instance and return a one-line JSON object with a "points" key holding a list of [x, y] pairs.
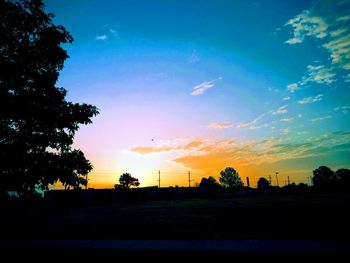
{"points": [[196, 86]]}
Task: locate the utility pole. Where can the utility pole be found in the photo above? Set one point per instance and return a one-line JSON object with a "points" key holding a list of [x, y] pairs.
{"points": [[159, 179], [86, 186], [288, 181], [189, 179], [277, 179], [270, 180], [248, 182]]}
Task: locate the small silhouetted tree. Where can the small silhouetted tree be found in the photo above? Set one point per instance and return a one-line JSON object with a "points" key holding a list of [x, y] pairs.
{"points": [[37, 124], [126, 181], [209, 183], [323, 177], [263, 183], [230, 178]]}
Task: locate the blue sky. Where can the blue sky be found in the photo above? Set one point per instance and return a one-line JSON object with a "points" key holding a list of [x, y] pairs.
{"points": [[201, 85]]}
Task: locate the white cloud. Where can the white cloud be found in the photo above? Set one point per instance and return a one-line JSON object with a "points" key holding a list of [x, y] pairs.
{"points": [[329, 23], [280, 110], [199, 89], [220, 125], [321, 118], [311, 99], [343, 18], [344, 109], [319, 74], [338, 32], [293, 87], [286, 98], [101, 37], [287, 119], [339, 49], [306, 25], [250, 123], [315, 74]]}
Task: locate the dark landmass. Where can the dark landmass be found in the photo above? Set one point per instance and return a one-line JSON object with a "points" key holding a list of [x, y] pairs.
{"points": [[260, 217]]}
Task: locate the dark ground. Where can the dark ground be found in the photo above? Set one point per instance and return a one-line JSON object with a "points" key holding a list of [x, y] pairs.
{"points": [[265, 228], [282, 217]]}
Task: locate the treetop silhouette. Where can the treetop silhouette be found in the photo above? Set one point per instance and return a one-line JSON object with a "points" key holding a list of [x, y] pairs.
{"points": [[126, 181]]}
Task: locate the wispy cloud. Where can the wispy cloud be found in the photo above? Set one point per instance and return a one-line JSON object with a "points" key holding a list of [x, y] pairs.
{"points": [[209, 155], [305, 24], [101, 37], [194, 57], [199, 89], [172, 146], [293, 87], [220, 125], [344, 109], [327, 24], [319, 74], [287, 119], [315, 74], [280, 110], [250, 123], [321, 118], [114, 33], [111, 33], [286, 98], [311, 99]]}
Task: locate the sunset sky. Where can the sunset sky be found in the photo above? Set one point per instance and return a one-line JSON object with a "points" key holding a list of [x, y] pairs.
{"points": [[185, 85]]}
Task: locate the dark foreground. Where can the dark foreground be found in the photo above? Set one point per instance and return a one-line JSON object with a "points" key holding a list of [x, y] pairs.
{"points": [[307, 225]]}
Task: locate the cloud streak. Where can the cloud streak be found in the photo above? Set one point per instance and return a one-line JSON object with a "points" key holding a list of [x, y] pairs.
{"points": [[101, 37], [280, 110], [220, 125], [201, 88], [209, 155], [311, 99]]}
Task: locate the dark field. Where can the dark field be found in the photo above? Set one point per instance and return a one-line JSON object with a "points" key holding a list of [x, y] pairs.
{"points": [[286, 217]]}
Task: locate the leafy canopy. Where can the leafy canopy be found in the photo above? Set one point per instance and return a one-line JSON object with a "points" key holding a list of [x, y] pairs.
{"points": [[126, 181], [230, 178], [37, 124]]}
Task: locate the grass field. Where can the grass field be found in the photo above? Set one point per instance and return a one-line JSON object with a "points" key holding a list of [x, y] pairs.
{"points": [[308, 216]]}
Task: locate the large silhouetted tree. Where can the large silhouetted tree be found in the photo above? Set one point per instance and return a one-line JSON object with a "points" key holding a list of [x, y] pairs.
{"points": [[323, 177], [230, 178], [126, 181], [37, 124]]}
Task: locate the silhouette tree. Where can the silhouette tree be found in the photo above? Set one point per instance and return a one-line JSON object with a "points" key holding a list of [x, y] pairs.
{"points": [[230, 178], [343, 178], [323, 177], [263, 183], [209, 183], [126, 181], [37, 124]]}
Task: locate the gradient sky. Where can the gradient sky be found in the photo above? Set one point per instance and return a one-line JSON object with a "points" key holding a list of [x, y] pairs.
{"points": [[184, 85]]}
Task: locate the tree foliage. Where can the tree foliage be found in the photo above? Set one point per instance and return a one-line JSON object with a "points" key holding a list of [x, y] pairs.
{"points": [[230, 178], [126, 181], [263, 183], [209, 183], [37, 124], [323, 177]]}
